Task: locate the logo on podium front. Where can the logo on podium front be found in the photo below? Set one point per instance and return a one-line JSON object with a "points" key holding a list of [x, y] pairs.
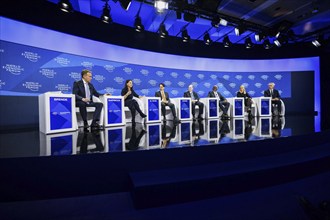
{"points": [[60, 113], [213, 108], [114, 110], [185, 108], [153, 110]]}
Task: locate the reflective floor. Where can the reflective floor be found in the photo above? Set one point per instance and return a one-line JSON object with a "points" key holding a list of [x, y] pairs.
{"points": [[32, 143]]}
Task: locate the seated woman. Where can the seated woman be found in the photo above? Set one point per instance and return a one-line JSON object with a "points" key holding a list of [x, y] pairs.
{"points": [[128, 93], [247, 98]]}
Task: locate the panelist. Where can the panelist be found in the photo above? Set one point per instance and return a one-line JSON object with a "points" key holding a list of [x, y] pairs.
{"points": [[84, 91], [247, 98], [194, 101], [165, 101], [275, 95], [223, 103], [128, 93]]}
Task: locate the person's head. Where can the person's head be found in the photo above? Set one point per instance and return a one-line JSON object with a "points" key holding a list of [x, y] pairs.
{"points": [[215, 88], [190, 88], [271, 85], [161, 86], [86, 75], [242, 88], [129, 84]]}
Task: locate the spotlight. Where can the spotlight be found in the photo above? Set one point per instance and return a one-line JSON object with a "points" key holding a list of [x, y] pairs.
{"points": [[280, 41], [65, 5], [162, 31], [105, 17], [267, 44], [125, 4], [248, 43], [217, 21], [240, 29], [161, 5], [185, 36], [207, 39], [318, 41], [226, 42], [138, 24]]}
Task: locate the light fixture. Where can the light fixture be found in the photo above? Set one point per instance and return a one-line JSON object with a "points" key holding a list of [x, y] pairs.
{"points": [[185, 36], [65, 5], [207, 39], [259, 36], [161, 5], [280, 41], [125, 4], [248, 43], [226, 42], [162, 31], [318, 41], [267, 45], [240, 29], [217, 21], [138, 24], [106, 17]]}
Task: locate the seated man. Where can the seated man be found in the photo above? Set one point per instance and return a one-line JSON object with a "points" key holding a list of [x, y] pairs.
{"points": [[223, 103], [275, 95], [194, 101], [165, 101], [84, 91]]}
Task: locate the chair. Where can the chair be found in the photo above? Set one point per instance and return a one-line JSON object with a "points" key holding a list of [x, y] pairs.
{"points": [[90, 112]]}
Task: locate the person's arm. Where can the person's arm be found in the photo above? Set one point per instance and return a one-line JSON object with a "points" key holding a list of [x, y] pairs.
{"points": [[135, 94], [278, 94], [157, 94], [222, 98], [75, 91], [209, 94], [185, 95], [196, 96], [94, 92], [266, 94]]}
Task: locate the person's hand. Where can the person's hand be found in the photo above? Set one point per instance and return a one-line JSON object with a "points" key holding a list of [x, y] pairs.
{"points": [[128, 93], [107, 94], [141, 97], [86, 100]]}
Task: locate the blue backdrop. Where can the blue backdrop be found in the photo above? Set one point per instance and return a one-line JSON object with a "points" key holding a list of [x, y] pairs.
{"points": [[30, 71]]}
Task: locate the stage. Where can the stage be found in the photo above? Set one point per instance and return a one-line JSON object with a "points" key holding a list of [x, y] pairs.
{"points": [[134, 172]]}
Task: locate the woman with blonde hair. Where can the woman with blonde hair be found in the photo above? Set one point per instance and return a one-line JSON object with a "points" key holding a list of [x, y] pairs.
{"points": [[247, 98]]}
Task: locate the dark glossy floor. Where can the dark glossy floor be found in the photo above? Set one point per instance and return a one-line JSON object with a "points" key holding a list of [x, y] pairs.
{"points": [[32, 143]]}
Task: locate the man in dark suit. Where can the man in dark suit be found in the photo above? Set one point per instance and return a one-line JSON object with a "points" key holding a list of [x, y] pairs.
{"points": [[194, 101], [275, 95], [84, 91], [223, 103], [165, 101]]}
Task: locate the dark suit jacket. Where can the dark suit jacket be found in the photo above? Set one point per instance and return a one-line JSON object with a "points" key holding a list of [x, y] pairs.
{"points": [[245, 96], [133, 93], [276, 94], [211, 94], [158, 94], [187, 94], [79, 90]]}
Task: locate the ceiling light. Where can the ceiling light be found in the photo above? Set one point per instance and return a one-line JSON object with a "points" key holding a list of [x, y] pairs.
{"points": [[248, 43], [162, 31], [226, 42], [240, 29], [161, 5], [185, 36], [207, 39], [217, 21], [125, 4], [267, 45], [105, 17], [259, 36], [318, 41], [65, 5], [280, 41], [138, 24]]}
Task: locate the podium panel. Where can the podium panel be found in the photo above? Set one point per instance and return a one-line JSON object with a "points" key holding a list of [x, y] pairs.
{"points": [[213, 130], [153, 137], [152, 105], [114, 110], [236, 106], [184, 108], [264, 127], [211, 107], [57, 113], [264, 106], [185, 133]]}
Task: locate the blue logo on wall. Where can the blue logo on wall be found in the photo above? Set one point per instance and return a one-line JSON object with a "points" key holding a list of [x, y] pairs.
{"points": [[114, 111], [60, 113]]}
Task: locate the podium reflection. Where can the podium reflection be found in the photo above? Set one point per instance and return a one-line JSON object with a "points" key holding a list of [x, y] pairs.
{"points": [[197, 128], [153, 136], [134, 135], [90, 142], [169, 131], [58, 144], [115, 139]]}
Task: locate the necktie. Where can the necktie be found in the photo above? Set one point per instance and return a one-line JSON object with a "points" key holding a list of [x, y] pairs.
{"points": [[271, 93], [216, 94], [192, 96], [87, 91], [163, 96]]}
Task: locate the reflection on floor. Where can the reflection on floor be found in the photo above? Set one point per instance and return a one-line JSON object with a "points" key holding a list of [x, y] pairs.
{"points": [[152, 136]]}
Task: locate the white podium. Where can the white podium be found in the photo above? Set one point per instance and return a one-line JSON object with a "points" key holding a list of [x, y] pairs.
{"points": [[114, 113], [57, 112], [211, 107], [183, 105], [264, 106], [236, 107], [153, 109]]}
